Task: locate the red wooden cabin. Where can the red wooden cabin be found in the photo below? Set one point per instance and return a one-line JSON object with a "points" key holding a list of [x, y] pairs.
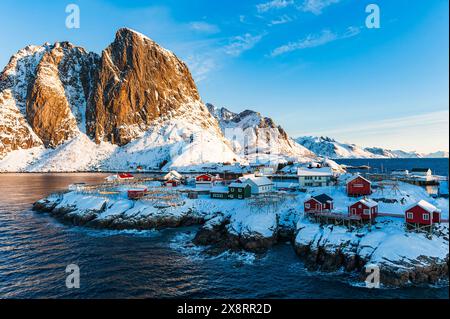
{"points": [[366, 208], [422, 213], [319, 204], [204, 180], [359, 186], [125, 176], [172, 183], [136, 193]]}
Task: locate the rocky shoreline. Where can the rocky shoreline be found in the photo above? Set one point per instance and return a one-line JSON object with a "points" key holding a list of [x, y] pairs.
{"points": [[321, 247]]}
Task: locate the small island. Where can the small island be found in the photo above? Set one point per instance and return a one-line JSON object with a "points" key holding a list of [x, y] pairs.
{"points": [[331, 228]]}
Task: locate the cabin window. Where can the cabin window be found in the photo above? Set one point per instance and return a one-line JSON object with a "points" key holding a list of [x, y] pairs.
{"points": [[426, 217], [410, 215], [366, 212], [358, 185], [307, 205], [359, 206]]}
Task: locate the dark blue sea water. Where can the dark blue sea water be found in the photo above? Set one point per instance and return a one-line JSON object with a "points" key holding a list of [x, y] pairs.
{"points": [[35, 250], [439, 166]]}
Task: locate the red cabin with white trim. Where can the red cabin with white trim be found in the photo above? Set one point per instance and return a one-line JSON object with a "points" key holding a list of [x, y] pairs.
{"points": [[423, 213], [319, 204], [366, 208], [204, 180], [125, 176], [359, 186]]}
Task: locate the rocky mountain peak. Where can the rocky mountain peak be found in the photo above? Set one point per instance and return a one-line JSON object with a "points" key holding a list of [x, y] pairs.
{"points": [[263, 138], [137, 82]]}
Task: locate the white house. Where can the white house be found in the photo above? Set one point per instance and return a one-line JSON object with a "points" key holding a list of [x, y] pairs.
{"points": [[422, 174], [173, 175], [315, 177], [260, 185]]}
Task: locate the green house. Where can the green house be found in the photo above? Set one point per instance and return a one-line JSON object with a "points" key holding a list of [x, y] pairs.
{"points": [[240, 190], [220, 192]]}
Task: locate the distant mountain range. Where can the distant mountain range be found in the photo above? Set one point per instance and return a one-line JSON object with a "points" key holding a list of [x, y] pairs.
{"points": [[328, 147], [63, 108]]}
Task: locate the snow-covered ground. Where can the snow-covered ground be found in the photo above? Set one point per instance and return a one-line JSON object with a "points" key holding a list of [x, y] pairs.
{"points": [[251, 224]]}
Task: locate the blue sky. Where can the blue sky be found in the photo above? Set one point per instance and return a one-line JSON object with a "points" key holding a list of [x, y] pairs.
{"points": [[312, 65]]}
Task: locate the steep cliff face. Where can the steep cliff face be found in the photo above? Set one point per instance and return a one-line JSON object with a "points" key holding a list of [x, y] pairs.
{"points": [[56, 100], [43, 93], [138, 82], [15, 132], [256, 137]]}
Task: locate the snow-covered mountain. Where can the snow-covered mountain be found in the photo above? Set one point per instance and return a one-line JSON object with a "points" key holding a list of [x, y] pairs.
{"points": [[439, 154], [258, 138], [64, 109], [329, 147]]}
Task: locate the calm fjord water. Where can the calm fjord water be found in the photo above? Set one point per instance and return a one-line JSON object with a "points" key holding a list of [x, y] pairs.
{"points": [[35, 250]]}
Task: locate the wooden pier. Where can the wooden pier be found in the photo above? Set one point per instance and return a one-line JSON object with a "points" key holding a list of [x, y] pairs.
{"points": [[335, 218]]}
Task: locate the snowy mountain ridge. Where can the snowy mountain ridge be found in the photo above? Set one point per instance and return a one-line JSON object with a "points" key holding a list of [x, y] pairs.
{"points": [[257, 138], [328, 147], [64, 109]]}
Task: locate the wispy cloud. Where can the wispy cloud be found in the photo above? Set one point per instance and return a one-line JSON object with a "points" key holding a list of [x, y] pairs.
{"points": [[315, 40], [316, 6], [204, 27], [281, 20], [412, 122], [200, 66], [242, 43], [274, 4]]}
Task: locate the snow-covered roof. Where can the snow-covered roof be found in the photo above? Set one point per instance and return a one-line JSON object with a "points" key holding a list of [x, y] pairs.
{"points": [[368, 202], [238, 185], [425, 205], [219, 189], [323, 171], [355, 177], [173, 174], [322, 198], [259, 181]]}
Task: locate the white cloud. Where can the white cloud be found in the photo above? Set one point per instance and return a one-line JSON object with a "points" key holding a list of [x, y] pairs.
{"points": [[315, 40], [200, 66], [274, 4], [204, 27], [316, 6], [309, 42], [242, 43], [281, 20]]}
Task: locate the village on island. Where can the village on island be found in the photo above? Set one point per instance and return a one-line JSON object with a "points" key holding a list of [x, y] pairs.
{"points": [[335, 216], [266, 184]]}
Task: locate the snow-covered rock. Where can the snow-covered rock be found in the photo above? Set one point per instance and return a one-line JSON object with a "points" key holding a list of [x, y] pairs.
{"points": [[258, 138], [403, 257]]}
